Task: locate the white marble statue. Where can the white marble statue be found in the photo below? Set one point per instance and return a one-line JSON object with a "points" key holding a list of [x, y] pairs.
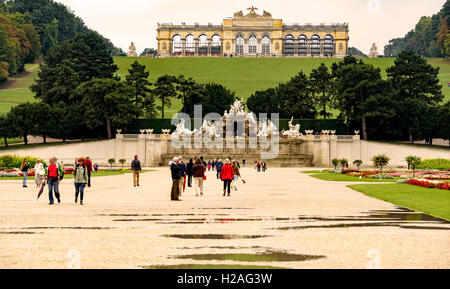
{"points": [[268, 128], [294, 130], [181, 130]]}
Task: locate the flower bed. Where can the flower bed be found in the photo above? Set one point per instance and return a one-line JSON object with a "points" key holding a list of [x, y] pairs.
{"points": [[429, 184]]}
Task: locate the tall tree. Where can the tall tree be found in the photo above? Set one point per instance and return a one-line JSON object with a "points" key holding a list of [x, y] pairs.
{"points": [[138, 80], [216, 98], [6, 129], [164, 90], [107, 102], [185, 87], [322, 87], [297, 97], [68, 65], [24, 119], [417, 83]]}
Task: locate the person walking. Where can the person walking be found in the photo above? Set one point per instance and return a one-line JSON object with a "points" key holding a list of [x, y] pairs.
{"points": [[88, 164], [219, 168], [236, 174], [209, 166], [227, 177], [80, 179], [243, 162], [24, 167], [190, 171], [258, 166], [53, 173], [96, 167], [175, 172], [137, 169], [183, 173], [204, 163], [199, 176], [214, 164], [264, 166], [39, 173]]}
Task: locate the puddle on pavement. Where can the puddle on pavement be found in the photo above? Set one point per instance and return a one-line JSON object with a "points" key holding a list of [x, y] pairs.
{"points": [[268, 256], [210, 266], [67, 228], [215, 236], [19, 233], [223, 247]]}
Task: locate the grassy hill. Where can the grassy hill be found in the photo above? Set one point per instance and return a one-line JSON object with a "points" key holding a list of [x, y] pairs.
{"points": [[242, 75]]}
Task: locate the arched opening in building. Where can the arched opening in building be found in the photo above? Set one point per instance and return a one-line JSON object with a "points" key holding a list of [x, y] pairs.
{"points": [[252, 44], [177, 45], [289, 45], [190, 45], [315, 45], [203, 44], [239, 44], [328, 46], [265, 42], [216, 46], [302, 45]]}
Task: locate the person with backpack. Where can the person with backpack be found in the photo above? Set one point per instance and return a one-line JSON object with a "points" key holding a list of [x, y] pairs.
{"points": [[219, 166], [80, 179], [53, 174]]}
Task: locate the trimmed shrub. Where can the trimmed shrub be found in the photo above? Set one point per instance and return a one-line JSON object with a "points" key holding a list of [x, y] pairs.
{"points": [[13, 161], [434, 164]]}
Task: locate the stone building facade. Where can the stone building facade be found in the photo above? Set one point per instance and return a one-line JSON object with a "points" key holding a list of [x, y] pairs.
{"points": [[253, 34]]}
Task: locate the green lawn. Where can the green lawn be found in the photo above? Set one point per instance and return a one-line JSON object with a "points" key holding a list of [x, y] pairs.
{"points": [[430, 201], [94, 174], [242, 75], [345, 178], [311, 172]]}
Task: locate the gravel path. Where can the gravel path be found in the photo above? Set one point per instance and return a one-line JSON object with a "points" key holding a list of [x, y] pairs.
{"points": [[280, 210]]}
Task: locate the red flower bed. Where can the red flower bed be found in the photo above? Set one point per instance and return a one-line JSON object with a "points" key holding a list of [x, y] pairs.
{"points": [[442, 186], [350, 171]]}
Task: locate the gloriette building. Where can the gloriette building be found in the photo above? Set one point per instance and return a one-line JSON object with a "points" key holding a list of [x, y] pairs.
{"points": [[253, 35]]}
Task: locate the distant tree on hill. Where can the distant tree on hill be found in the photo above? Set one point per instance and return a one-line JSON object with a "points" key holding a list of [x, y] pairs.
{"points": [[138, 80], [71, 63], [165, 90], [149, 52], [353, 51], [322, 86], [216, 98], [426, 39]]}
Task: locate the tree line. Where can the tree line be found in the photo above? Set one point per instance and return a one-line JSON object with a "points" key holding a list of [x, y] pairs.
{"points": [[78, 93], [29, 28], [430, 38], [405, 105]]}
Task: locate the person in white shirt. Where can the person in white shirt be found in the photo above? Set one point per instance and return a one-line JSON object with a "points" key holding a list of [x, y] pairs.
{"points": [[39, 172]]}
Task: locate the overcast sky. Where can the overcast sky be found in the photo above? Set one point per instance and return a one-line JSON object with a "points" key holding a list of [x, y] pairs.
{"points": [[136, 20]]}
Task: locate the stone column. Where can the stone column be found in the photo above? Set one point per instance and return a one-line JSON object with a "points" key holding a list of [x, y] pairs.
{"points": [[196, 47], [183, 47], [321, 47], [324, 150], [118, 147], [308, 50], [356, 148], [333, 147], [209, 47], [245, 52]]}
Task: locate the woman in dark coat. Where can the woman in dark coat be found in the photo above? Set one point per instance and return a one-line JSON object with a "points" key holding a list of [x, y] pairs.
{"points": [[190, 172]]}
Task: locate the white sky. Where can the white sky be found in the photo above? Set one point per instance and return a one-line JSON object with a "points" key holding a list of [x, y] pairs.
{"points": [[136, 20]]}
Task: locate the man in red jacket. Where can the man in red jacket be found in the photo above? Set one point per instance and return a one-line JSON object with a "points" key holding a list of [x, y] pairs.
{"points": [[227, 177], [88, 164]]}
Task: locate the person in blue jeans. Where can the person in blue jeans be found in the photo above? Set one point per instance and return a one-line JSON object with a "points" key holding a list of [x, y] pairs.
{"points": [[24, 167], [53, 173], [81, 179]]}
